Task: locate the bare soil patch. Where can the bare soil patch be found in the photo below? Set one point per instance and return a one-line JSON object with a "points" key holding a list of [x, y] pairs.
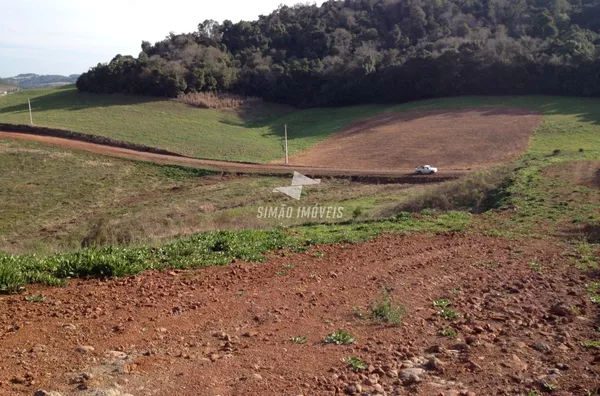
{"points": [[227, 330], [448, 139], [584, 173]]}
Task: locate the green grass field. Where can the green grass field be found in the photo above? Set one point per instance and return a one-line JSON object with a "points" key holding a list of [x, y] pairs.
{"points": [[56, 200], [256, 134]]}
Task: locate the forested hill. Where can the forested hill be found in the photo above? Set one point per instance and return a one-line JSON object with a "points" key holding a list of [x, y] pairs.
{"points": [[360, 51]]}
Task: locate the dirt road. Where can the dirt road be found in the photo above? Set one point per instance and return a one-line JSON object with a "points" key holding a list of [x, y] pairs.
{"points": [[401, 175]]}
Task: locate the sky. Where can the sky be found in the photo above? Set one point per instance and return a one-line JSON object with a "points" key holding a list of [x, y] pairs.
{"points": [[70, 36]]}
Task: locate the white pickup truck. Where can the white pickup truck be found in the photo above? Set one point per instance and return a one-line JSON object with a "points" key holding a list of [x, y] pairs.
{"points": [[425, 170]]}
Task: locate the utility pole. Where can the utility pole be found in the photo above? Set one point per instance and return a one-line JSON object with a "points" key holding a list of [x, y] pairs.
{"points": [[286, 146], [30, 116]]}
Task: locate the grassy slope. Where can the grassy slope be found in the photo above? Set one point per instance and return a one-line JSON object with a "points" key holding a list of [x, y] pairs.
{"points": [[540, 205], [54, 199], [255, 135]]}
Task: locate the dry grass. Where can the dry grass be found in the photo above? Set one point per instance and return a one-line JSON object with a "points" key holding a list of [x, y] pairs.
{"points": [[208, 100], [476, 192]]}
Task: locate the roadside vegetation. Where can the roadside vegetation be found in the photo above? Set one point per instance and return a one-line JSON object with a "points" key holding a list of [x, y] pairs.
{"points": [[476, 192]]}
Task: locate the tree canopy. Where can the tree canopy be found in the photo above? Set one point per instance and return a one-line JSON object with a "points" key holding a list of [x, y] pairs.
{"points": [[364, 51]]}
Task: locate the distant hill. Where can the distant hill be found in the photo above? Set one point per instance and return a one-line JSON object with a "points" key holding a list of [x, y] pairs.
{"points": [[31, 80]]}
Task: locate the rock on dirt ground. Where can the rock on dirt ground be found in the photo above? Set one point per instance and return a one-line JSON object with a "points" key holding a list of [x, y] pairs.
{"points": [[499, 327]]}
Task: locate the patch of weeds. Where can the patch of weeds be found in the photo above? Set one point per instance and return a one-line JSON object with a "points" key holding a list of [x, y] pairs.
{"points": [[584, 255], [318, 254], [548, 387], [358, 313], [289, 266], [11, 279], [355, 363], [206, 249], [442, 303], [340, 337], [448, 314], [36, 299], [449, 332], [240, 293], [384, 309], [591, 344], [177, 172], [537, 267], [281, 273], [357, 212], [594, 290], [298, 340]]}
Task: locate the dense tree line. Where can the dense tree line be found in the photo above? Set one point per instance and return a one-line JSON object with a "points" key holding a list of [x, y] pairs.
{"points": [[359, 51]]}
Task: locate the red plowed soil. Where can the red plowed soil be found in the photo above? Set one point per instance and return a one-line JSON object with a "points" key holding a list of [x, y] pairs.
{"points": [[448, 139], [226, 331]]}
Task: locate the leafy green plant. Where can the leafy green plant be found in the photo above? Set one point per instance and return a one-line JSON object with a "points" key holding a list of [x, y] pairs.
{"points": [[298, 340], [449, 332], [384, 309], [591, 344], [340, 337], [36, 298], [448, 314], [548, 387], [355, 363], [281, 273], [319, 254], [11, 279], [442, 303]]}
